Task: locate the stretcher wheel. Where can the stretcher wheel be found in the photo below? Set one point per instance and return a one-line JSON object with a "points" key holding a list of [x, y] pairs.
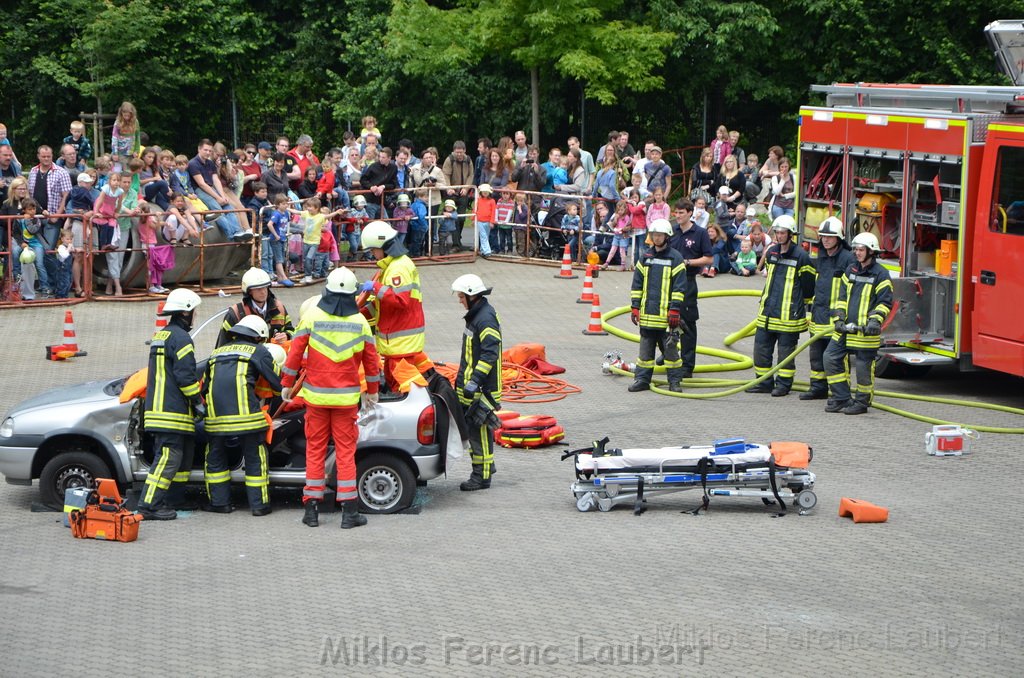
{"points": [[806, 500], [604, 504], [585, 502]]}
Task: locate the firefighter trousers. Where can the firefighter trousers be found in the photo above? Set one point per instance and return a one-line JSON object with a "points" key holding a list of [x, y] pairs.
{"points": [[218, 473], [666, 342], [172, 462], [481, 444], [764, 346], [837, 368], [816, 353], [323, 424]]}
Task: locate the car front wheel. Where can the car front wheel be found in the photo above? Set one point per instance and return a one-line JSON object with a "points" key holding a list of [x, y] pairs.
{"points": [[386, 484], [68, 470]]}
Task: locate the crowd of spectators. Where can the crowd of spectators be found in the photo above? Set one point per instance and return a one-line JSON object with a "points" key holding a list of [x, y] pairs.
{"points": [[299, 205]]}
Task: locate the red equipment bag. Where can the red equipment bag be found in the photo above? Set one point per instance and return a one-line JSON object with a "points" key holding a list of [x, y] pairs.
{"points": [[531, 431], [105, 516]]}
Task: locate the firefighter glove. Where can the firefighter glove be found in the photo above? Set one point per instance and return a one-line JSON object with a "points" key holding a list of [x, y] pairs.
{"points": [[873, 328], [470, 388], [673, 318], [840, 326], [370, 399], [635, 315]]}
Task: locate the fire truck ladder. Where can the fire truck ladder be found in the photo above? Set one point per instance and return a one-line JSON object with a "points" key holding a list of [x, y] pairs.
{"points": [[952, 98]]}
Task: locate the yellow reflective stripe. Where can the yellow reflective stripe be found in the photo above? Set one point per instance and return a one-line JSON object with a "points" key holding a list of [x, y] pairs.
{"points": [[184, 351], [218, 477], [181, 477], [159, 380], [191, 390], [241, 394]]}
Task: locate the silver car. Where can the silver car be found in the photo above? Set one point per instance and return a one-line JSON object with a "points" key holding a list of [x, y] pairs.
{"points": [[70, 436]]}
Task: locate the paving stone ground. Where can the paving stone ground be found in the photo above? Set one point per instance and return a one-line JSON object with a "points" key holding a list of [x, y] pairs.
{"points": [[516, 581]]}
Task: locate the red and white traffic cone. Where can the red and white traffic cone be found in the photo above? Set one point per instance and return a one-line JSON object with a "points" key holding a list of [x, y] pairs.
{"points": [[588, 287], [566, 272], [70, 340], [161, 320], [595, 318]]}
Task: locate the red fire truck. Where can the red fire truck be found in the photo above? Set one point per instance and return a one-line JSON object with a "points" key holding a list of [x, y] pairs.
{"points": [[937, 173]]}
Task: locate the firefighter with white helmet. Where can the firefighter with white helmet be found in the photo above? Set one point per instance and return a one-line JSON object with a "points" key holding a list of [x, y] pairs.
{"points": [[834, 258], [335, 339], [865, 300], [173, 403], [478, 381], [259, 300], [396, 300], [656, 303], [782, 314], [234, 414]]}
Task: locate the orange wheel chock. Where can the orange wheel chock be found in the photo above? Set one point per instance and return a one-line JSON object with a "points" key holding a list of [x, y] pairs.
{"points": [[862, 511]]}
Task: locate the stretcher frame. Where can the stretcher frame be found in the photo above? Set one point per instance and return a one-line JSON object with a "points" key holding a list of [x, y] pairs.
{"points": [[605, 490]]}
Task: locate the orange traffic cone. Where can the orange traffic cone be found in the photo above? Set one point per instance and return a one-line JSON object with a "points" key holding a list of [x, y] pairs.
{"points": [[566, 272], [161, 320], [70, 340], [595, 318], [588, 287], [862, 511]]}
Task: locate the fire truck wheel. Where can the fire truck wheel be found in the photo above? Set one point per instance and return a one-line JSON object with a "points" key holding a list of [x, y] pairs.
{"points": [[67, 470]]}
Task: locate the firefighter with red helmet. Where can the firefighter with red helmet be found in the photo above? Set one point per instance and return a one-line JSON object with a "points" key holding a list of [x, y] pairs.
{"points": [[173, 404], [834, 258], [397, 300], [234, 415], [478, 381], [865, 300], [335, 339], [257, 299], [782, 315]]}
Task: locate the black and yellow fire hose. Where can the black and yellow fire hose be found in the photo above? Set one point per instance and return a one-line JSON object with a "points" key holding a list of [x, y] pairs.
{"points": [[738, 361]]}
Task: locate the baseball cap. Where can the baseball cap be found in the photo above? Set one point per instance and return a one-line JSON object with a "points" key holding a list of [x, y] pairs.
{"points": [[264, 146], [84, 178], [724, 190]]}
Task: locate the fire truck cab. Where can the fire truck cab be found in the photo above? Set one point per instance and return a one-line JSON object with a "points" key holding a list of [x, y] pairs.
{"points": [[936, 172]]}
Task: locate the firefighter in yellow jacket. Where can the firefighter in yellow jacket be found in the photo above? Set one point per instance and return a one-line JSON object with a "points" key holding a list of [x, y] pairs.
{"points": [[865, 301], [172, 405], [234, 416]]}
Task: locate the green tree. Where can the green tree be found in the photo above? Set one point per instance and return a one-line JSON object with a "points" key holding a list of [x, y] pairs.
{"points": [[579, 39]]}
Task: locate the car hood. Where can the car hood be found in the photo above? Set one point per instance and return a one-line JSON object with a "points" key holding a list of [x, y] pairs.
{"points": [[92, 391]]}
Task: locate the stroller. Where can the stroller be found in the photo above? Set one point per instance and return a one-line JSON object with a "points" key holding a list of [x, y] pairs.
{"points": [[548, 242]]}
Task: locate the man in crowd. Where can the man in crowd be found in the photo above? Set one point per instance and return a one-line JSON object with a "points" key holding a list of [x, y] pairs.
{"points": [[694, 245], [381, 179], [50, 185], [206, 181], [304, 158], [458, 171]]}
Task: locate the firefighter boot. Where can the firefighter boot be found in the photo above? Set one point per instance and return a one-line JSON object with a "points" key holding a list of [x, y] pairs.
{"points": [[855, 407], [351, 517], [476, 480], [834, 405], [638, 385], [675, 386], [312, 514], [161, 513], [815, 394]]}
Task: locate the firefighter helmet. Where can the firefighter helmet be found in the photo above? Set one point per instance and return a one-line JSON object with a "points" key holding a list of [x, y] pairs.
{"points": [[342, 281], [470, 284], [27, 256], [252, 326], [254, 279], [308, 304], [660, 226], [784, 222], [831, 226], [278, 353], [377, 234], [867, 240], [181, 300]]}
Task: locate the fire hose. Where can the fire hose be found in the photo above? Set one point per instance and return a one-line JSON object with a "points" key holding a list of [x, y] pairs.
{"points": [[739, 361]]}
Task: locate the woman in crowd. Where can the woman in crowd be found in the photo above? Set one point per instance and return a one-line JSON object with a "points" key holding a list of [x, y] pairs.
{"points": [[495, 171], [734, 180], [703, 177], [608, 182], [250, 167], [155, 186], [783, 190]]}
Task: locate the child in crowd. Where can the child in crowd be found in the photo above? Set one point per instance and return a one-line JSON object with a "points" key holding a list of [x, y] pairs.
{"points": [[181, 183], [571, 227], [129, 209], [327, 250], [77, 138], [327, 180], [746, 260], [31, 236], [750, 173], [719, 253], [65, 262], [274, 239], [520, 220], [484, 218], [638, 218], [369, 127], [313, 221], [159, 257], [658, 209], [357, 218], [4, 141], [621, 231], [260, 207], [419, 226], [103, 168], [179, 224], [80, 203], [723, 209], [700, 212], [636, 187], [106, 208], [503, 217], [401, 215], [446, 230]]}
